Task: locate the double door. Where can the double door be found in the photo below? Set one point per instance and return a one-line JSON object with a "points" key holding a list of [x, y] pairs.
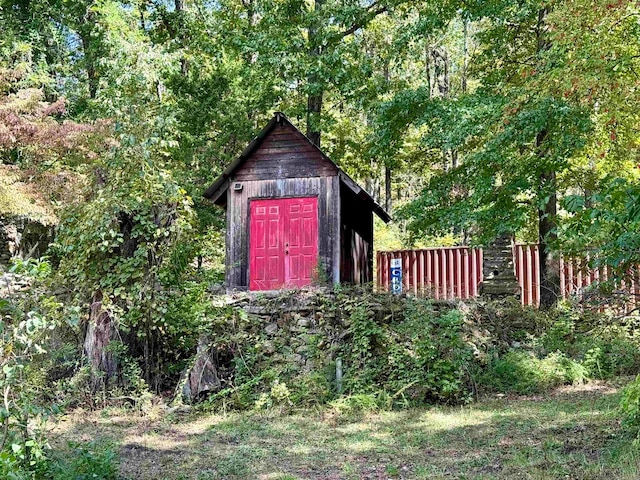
{"points": [[283, 242]]}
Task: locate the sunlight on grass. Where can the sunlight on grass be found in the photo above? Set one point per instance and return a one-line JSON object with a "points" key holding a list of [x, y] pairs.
{"points": [[436, 421], [277, 476], [572, 433], [354, 428], [362, 446], [299, 450]]}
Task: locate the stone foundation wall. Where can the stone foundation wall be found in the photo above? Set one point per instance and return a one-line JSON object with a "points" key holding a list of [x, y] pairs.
{"points": [[288, 334]]}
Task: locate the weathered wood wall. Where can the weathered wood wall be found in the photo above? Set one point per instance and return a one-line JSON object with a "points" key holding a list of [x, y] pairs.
{"points": [[327, 189], [285, 153], [356, 239]]}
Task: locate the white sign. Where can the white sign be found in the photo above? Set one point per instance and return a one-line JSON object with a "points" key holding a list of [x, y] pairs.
{"points": [[396, 275]]}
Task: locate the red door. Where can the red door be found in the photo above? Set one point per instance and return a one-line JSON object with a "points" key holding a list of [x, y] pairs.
{"points": [[283, 248]]}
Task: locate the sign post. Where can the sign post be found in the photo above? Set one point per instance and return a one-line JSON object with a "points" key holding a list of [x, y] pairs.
{"points": [[396, 276]]}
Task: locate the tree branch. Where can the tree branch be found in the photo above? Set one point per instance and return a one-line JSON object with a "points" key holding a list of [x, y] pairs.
{"points": [[372, 12]]}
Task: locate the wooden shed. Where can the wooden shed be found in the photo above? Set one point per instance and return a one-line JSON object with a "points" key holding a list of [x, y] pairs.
{"points": [[293, 216]]}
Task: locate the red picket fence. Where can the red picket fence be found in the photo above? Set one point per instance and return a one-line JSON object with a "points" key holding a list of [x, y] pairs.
{"points": [[575, 278], [456, 272], [525, 263], [441, 273]]}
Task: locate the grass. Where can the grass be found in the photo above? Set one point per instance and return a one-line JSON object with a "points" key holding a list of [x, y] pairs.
{"points": [[571, 433]]}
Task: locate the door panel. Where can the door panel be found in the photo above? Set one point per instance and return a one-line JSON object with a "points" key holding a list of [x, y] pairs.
{"points": [[301, 241], [283, 248], [266, 250]]}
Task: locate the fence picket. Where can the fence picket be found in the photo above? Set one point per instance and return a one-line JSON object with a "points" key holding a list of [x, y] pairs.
{"points": [[456, 272]]}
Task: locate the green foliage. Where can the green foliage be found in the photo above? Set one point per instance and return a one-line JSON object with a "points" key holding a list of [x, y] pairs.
{"points": [[524, 373], [630, 406], [417, 356], [37, 268], [359, 403], [606, 224], [611, 353], [560, 335], [31, 331], [279, 395], [25, 329], [128, 244], [85, 461], [606, 350]]}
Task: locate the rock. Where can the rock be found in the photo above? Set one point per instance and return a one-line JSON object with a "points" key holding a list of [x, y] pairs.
{"points": [[217, 289], [255, 309], [180, 409], [269, 347], [24, 237], [202, 377], [295, 358], [271, 329]]}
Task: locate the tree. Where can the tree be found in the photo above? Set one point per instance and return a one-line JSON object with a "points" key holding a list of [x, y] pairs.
{"points": [[522, 132]]}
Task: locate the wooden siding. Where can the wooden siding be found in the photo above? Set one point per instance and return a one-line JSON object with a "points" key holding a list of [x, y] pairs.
{"points": [[285, 153], [356, 239], [327, 189]]}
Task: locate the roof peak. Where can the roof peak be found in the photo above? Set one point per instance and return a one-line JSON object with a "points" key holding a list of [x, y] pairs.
{"points": [[221, 184]]}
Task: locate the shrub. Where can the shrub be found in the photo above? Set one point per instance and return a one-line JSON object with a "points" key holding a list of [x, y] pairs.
{"points": [[630, 407], [523, 373], [605, 349], [94, 460], [500, 323], [560, 335], [416, 357], [610, 352], [353, 405]]}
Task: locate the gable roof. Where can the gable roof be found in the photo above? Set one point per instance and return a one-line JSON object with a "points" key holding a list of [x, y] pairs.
{"points": [[216, 191]]}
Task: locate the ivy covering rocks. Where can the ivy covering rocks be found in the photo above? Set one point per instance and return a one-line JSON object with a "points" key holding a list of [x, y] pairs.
{"points": [[316, 347], [310, 347]]}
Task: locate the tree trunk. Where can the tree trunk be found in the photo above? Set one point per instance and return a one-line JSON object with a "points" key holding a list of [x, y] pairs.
{"points": [[549, 274], [89, 60], [142, 8], [387, 169], [316, 91], [465, 58], [549, 269], [547, 201], [387, 189], [101, 331], [314, 109], [184, 63], [439, 81]]}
